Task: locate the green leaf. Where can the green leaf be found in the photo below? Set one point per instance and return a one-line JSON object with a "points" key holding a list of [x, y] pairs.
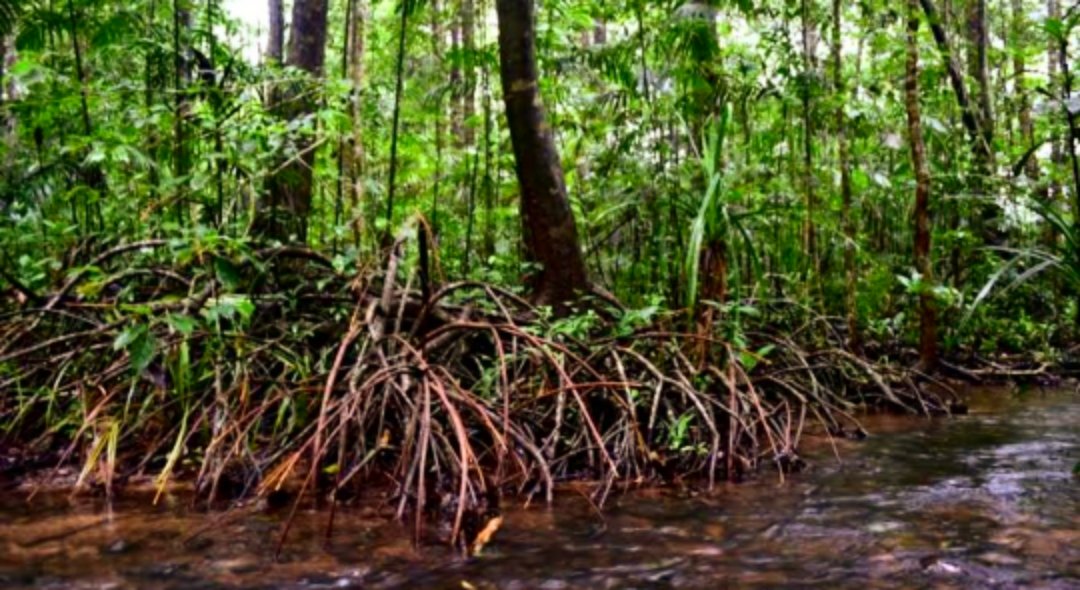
{"points": [[127, 336], [182, 324], [140, 345], [228, 307], [227, 273], [1055, 28], [142, 351]]}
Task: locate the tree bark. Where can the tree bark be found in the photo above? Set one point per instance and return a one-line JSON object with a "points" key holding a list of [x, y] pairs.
{"points": [[275, 45], [550, 233], [927, 312], [291, 187], [395, 126], [979, 66], [355, 157]]}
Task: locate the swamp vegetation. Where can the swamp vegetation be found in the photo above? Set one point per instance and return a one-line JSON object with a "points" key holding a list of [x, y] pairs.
{"points": [[451, 251]]}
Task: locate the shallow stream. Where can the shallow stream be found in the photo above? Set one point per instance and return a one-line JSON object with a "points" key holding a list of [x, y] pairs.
{"points": [[986, 500]]}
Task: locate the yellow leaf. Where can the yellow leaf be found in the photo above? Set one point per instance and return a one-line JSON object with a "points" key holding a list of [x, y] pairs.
{"points": [[485, 535]]}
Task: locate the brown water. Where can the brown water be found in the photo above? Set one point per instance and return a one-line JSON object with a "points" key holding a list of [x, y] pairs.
{"points": [[986, 500]]}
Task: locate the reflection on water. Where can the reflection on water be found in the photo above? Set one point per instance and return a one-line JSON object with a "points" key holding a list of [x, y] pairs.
{"points": [[984, 500]]}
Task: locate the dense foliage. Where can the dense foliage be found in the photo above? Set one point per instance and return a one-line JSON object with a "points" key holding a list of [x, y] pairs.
{"points": [[740, 172]]}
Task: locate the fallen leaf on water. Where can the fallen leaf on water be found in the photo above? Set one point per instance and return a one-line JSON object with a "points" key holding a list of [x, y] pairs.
{"points": [[485, 534]]}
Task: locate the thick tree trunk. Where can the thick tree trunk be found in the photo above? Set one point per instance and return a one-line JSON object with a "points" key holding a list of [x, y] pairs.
{"points": [[714, 288], [307, 41], [927, 312], [548, 223], [275, 46], [291, 187]]}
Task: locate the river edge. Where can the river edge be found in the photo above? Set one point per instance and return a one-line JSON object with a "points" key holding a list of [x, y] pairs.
{"points": [[230, 548]]}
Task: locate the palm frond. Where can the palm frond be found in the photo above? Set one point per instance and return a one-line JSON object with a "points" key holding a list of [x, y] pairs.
{"points": [[712, 216], [9, 15]]}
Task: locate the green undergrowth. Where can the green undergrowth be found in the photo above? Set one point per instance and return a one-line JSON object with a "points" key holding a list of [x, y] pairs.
{"points": [[246, 369]]}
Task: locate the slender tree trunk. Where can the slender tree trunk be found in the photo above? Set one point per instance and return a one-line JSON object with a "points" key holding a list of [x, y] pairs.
{"points": [[437, 50], [399, 88], [8, 55], [92, 173], [980, 147], [468, 95], [3, 67], [1071, 134], [8, 122], [488, 248], [979, 70], [809, 229], [344, 151], [457, 126], [181, 78], [1027, 125], [847, 220], [208, 74], [1061, 52], [356, 158], [275, 46], [550, 234], [291, 187], [466, 106], [979, 65], [80, 69], [1053, 188], [927, 313]]}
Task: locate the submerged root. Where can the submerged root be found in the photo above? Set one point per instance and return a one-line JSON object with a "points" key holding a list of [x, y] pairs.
{"points": [[270, 370]]}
